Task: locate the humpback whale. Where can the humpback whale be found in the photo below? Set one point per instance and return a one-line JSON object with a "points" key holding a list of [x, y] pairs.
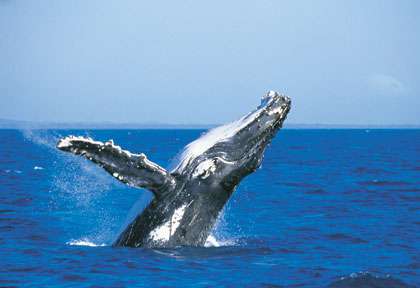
{"points": [[188, 199]]}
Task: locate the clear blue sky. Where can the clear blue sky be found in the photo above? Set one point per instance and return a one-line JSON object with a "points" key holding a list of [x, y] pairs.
{"points": [[341, 62]]}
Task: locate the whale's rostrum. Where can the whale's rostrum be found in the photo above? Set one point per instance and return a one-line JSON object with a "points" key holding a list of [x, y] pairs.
{"points": [[188, 199]]}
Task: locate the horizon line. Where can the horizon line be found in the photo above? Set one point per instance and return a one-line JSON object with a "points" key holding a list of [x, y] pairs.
{"points": [[24, 124]]}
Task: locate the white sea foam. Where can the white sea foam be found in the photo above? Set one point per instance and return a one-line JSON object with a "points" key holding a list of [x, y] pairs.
{"points": [[213, 242], [38, 168], [220, 235], [84, 242]]}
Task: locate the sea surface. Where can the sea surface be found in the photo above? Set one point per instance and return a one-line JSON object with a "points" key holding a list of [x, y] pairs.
{"points": [[328, 208]]}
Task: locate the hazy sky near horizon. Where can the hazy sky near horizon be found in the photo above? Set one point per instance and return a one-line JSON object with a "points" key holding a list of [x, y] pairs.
{"points": [[341, 62]]}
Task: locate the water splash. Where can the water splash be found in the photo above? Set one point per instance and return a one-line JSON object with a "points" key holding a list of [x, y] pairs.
{"points": [[219, 237], [76, 188], [72, 177], [45, 138], [84, 242], [213, 242]]}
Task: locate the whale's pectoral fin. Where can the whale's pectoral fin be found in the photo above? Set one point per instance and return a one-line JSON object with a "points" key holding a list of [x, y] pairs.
{"points": [[132, 169]]}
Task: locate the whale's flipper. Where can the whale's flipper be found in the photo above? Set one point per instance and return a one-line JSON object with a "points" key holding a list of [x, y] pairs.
{"points": [[132, 169]]}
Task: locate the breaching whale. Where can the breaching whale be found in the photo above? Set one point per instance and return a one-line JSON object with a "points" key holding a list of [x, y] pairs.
{"points": [[188, 199]]}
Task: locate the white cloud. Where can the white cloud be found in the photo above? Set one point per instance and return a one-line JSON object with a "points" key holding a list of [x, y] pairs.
{"points": [[385, 84]]}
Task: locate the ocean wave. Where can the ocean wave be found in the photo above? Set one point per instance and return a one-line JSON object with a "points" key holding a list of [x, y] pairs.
{"points": [[368, 280], [377, 182], [12, 171]]}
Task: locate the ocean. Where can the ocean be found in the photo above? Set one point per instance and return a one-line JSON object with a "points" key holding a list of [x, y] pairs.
{"points": [[328, 208]]}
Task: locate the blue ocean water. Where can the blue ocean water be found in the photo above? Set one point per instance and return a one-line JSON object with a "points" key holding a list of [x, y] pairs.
{"points": [[326, 204]]}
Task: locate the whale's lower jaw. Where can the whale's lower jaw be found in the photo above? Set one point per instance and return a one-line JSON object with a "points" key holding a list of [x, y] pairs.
{"points": [[188, 200]]}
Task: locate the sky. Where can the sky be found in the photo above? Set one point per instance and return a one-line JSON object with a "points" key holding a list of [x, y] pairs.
{"points": [[209, 62]]}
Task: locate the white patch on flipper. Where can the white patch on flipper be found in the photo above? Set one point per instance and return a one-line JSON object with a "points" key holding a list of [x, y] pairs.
{"points": [[166, 230], [204, 169], [67, 142]]}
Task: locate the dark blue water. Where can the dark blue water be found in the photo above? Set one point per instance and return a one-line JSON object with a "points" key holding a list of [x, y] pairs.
{"points": [[324, 205]]}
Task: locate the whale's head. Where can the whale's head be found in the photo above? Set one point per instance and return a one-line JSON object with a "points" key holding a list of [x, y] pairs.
{"points": [[228, 153]]}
